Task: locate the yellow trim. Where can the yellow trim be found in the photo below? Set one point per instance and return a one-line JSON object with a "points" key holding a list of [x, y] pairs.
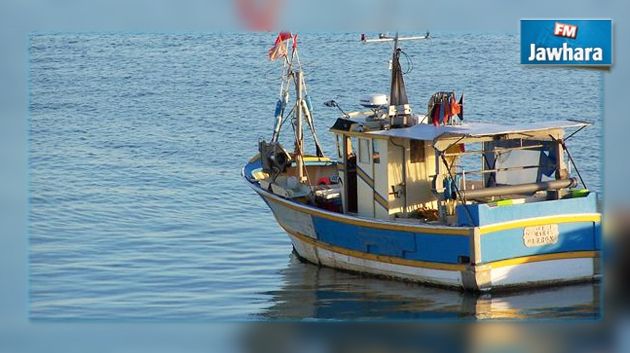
{"points": [[259, 175], [359, 134], [377, 197], [363, 175], [442, 266], [590, 217], [378, 258], [316, 159], [307, 158], [400, 227], [544, 257], [381, 200]]}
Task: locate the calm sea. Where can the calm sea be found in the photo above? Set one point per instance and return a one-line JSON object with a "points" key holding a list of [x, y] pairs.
{"points": [[137, 209]]}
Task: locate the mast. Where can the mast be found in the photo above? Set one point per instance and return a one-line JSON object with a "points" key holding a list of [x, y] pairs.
{"points": [[399, 110], [302, 110], [397, 93]]}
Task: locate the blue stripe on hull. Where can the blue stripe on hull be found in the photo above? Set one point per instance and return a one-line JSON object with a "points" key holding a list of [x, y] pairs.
{"points": [[484, 214], [598, 235], [412, 246], [508, 244], [250, 167]]}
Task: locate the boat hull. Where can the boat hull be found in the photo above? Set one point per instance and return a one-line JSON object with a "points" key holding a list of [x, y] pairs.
{"points": [[491, 256], [537, 270], [547, 272]]}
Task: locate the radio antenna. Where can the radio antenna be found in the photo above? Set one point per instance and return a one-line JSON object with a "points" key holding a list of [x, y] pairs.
{"points": [[399, 110]]}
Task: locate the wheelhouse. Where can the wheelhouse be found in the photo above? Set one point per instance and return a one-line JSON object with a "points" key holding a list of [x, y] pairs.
{"points": [[433, 173]]}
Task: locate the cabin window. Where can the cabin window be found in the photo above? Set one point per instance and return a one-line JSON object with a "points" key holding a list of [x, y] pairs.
{"points": [[519, 162], [376, 155], [416, 151], [364, 151]]}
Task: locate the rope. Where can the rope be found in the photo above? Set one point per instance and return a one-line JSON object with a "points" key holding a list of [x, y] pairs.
{"points": [[409, 62], [459, 195], [577, 171], [572, 162]]}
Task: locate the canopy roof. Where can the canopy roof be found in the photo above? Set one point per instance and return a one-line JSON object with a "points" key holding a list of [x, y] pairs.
{"points": [[428, 132]]}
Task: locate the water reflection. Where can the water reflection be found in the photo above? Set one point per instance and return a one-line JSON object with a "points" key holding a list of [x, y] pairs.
{"points": [[312, 292]]}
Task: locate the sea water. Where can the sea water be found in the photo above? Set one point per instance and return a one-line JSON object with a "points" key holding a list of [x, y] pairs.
{"points": [[136, 141]]}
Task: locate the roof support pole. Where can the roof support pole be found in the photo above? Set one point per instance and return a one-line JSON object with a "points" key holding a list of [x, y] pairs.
{"points": [[299, 141], [440, 203]]}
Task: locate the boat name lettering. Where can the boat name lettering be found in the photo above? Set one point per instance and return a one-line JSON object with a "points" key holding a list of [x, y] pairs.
{"points": [[540, 235]]}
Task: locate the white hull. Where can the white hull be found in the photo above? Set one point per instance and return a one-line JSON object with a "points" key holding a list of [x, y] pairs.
{"points": [[522, 275], [332, 259]]}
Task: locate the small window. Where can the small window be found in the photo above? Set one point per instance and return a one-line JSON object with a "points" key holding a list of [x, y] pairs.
{"points": [[376, 155], [416, 151], [364, 151]]}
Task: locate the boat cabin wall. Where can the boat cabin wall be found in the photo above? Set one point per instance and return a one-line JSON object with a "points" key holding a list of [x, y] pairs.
{"points": [[415, 186], [364, 175], [386, 177], [372, 177]]}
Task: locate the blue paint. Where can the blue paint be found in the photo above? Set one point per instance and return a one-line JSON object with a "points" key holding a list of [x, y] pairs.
{"points": [[251, 167], [509, 244], [381, 242], [484, 214], [597, 233], [590, 34], [440, 248], [405, 245]]}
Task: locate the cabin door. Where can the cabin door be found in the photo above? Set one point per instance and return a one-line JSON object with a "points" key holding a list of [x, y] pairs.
{"points": [[352, 184], [351, 175]]}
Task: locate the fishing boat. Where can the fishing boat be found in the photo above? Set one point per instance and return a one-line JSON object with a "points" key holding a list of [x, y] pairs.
{"points": [[428, 197]]}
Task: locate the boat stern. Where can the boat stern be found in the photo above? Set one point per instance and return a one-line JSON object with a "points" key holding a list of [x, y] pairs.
{"points": [[528, 244]]}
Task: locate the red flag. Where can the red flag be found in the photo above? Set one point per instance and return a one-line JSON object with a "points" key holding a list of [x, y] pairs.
{"points": [[435, 115], [456, 109], [447, 111], [279, 48]]}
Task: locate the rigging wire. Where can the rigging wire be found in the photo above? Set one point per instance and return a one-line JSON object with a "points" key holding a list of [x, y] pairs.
{"points": [[566, 150], [409, 62]]}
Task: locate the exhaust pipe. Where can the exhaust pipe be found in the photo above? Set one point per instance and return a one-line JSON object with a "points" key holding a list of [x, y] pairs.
{"points": [[519, 189]]}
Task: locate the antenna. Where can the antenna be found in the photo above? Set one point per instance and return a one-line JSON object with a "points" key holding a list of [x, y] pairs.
{"points": [[399, 110], [385, 38]]}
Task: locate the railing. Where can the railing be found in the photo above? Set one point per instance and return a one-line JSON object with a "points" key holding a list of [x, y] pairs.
{"points": [[498, 151]]}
